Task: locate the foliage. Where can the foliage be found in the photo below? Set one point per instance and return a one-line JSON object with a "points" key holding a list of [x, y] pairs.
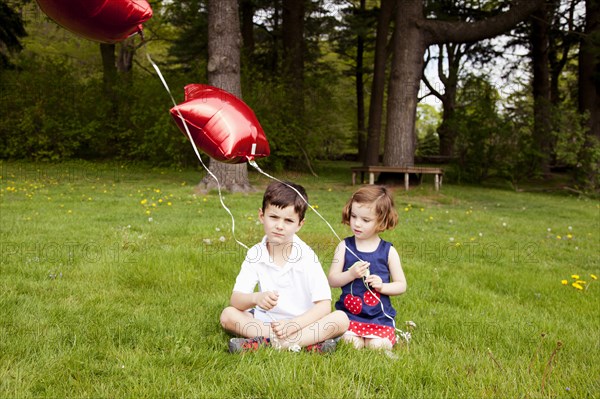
{"points": [[487, 145], [58, 115], [10, 34], [428, 119]]}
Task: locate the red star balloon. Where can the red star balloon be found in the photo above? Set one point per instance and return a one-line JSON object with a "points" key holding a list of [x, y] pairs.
{"points": [[221, 124], [107, 21]]}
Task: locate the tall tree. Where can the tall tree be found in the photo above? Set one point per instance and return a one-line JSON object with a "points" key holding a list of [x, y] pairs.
{"points": [[11, 32], [414, 33], [359, 84], [540, 44], [293, 52], [378, 83], [224, 39], [453, 54], [589, 89]]}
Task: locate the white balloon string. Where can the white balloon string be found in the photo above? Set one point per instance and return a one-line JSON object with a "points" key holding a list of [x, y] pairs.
{"points": [[187, 130]]}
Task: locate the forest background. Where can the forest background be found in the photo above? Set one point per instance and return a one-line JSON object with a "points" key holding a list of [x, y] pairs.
{"points": [[514, 101]]}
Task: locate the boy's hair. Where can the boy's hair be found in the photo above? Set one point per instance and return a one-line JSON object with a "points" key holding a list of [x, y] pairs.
{"points": [[382, 201], [280, 195]]}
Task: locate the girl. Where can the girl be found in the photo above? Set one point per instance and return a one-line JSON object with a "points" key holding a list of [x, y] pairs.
{"points": [[368, 269]]}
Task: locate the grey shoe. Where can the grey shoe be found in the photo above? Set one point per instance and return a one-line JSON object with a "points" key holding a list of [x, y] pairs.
{"points": [[326, 346], [247, 344]]}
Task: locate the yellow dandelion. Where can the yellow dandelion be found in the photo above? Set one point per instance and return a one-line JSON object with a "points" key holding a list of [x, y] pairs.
{"points": [[578, 286], [430, 217], [147, 212], [564, 282], [204, 199], [593, 276], [405, 209], [160, 201], [558, 237], [144, 201], [569, 236], [169, 203], [575, 276]]}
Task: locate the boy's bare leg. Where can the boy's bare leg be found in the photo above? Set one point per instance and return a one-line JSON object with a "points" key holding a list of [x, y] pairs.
{"points": [[243, 324], [332, 325]]}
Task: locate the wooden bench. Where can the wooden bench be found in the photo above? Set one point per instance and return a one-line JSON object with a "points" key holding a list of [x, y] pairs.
{"points": [[407, 170]]}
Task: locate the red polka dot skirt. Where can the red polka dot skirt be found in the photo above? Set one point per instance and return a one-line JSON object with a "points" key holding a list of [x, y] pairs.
{"points": [[368, 330]]}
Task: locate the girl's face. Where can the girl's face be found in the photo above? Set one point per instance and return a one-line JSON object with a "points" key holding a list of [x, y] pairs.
{"points": [[363, 220]]}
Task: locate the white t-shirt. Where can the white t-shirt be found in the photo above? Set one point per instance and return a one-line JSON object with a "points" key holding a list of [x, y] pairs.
{"points": [[300, 282]]}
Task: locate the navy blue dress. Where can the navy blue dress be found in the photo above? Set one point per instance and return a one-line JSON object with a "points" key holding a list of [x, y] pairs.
{"points": [[363, 308]]}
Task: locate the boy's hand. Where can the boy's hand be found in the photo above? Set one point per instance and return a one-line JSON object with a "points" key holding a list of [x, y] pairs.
{"points": [[375, 282], [359, 269], [267, 300]]}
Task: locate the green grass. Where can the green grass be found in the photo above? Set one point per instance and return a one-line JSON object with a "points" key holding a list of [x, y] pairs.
{"points": [[105, 295]]}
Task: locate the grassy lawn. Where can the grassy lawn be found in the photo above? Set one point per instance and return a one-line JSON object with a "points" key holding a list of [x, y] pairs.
{"points": [[113, 276]]}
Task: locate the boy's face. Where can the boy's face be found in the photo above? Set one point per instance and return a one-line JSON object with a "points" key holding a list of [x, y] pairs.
{"points": [[280, 224]]}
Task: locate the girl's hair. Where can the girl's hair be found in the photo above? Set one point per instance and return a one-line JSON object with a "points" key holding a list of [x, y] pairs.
{"points": [[380, 198], [280, 194]]}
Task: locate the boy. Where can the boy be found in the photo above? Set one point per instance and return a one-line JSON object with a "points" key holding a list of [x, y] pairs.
{"points": [[292, 308]]}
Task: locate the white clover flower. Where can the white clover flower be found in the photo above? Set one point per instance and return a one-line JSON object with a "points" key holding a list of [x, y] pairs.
{"points": [[206, 241], [295, 348], [222, 239]]}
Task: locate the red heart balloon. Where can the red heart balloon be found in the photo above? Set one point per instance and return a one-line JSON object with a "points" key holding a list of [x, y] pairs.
{"points": [[107, 21], [221, 124]]}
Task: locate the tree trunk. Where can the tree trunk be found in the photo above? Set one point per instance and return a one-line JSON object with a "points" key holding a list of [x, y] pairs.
{"points": [[378, 84], [293, 50], [224, 72], [414, 33], [446, 131], [360, 89], [542, 128], [109, 75], [407, 64], [589, 68], [126, 54], [247, 9], [589, 93]]}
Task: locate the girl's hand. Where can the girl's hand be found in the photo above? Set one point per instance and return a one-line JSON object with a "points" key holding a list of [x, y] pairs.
{"points": [[267, 300], [375, 282], [359, 269]]}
